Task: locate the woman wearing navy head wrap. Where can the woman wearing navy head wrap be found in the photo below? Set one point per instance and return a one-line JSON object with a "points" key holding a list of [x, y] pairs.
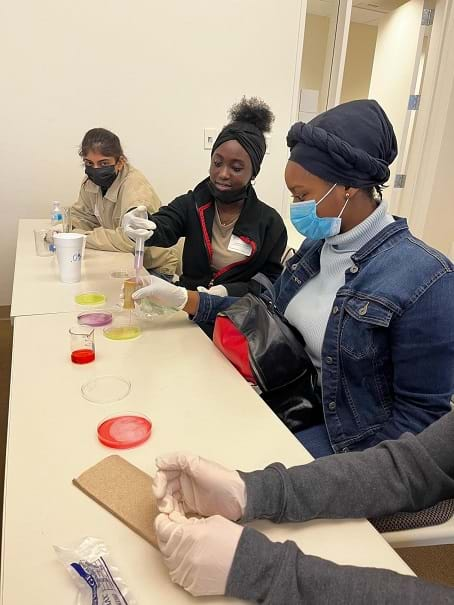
{"points": [[374, 304], [230, 235]]}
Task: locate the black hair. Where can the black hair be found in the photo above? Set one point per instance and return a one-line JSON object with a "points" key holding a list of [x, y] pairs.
{"points": [[252, 111], [374, 192], [102, 141]]}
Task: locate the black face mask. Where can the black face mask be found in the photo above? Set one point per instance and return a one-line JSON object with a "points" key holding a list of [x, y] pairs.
{"points": [[103, 177], [228, 197]]}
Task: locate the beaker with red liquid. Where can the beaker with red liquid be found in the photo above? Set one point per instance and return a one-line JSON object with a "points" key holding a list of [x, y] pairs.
{"points": [[82, 344]]}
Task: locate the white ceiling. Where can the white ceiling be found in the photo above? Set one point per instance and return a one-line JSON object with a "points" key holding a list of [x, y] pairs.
{"points": [[363, 11]]}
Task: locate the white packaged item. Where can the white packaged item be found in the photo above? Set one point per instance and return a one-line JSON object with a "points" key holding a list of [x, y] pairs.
{"points": [[98, 580]]}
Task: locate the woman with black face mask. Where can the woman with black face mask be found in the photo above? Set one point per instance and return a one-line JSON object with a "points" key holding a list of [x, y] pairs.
{"points": [[111, 187], [230, 234]]}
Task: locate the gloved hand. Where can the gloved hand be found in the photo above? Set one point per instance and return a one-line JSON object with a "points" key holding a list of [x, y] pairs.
{"points": [[218, 290], [58, 228], [163, 293], [143, 281], [135, 224], [198, 552], [188, 483]]}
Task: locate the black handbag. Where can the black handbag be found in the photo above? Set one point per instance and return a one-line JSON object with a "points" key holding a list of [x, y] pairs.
{"points": [[267, 350]]}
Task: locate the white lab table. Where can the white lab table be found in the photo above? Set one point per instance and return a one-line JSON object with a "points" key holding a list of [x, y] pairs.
{"points": [[37, 289], [196, 401]]}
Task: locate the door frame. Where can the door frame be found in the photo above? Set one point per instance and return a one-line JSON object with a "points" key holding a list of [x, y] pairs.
{"points": [[414, 199]]}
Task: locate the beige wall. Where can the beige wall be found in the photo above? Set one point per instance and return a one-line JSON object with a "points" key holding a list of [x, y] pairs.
{"points": [[394, 64], [154, 72], [314, 51], [439, 227], [427, 197], [358, 62]]}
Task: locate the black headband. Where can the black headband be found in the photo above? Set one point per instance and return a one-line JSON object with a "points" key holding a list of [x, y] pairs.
{"points": [[249, 137]]}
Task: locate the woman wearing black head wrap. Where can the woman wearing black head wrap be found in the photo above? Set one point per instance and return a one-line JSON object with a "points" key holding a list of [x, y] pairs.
{"points": [[230, 235]]}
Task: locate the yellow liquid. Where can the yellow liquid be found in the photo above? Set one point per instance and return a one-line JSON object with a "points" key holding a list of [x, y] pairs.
{"points": [[122, 333], [130, 286], [90, 298]]}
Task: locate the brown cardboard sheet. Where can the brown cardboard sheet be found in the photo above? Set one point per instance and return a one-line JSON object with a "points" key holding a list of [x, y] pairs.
{"points": [[125, 491]]}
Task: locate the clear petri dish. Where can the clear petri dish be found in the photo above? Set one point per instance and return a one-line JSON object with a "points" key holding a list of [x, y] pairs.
{"points": [[90, 298], [145, 309], [124, 431], [120, 274], [96, 319], [118, 333], [106, 389]]}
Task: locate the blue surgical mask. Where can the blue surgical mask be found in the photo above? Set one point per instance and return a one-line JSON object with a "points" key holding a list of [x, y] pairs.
{"points": [[305, 219]]}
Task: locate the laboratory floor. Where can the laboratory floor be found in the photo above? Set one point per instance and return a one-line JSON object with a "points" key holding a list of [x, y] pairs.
{"points": [[433, 563]]}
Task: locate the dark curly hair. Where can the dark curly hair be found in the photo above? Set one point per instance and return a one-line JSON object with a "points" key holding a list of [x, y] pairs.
{"points": [[102, 141], [252, 111]]}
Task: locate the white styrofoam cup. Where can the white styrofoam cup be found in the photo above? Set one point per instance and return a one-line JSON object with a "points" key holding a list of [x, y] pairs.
{"points": [[68, 247]]}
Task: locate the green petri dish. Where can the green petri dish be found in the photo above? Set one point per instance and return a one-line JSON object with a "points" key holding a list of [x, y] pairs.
{"points": [[122, 332], [90, 298]]}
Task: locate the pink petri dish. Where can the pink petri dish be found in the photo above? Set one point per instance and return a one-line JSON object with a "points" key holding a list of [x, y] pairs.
{"points": [[124, 431], [95, 319]]}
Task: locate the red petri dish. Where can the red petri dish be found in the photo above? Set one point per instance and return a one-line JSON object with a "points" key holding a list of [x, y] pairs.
{"points": [[125, 431], [82, 356]]}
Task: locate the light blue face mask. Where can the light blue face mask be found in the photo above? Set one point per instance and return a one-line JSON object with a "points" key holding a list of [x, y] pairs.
{"points": [[305, 219]]}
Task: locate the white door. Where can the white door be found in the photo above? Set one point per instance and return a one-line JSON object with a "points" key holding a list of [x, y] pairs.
{"points": [[356, 49]]}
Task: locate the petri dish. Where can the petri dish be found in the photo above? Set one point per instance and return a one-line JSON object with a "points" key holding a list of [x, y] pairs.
{"points": [[120, 274], [90, 298], [106, 389], [124, 431], [122, 332], [95, 319]]}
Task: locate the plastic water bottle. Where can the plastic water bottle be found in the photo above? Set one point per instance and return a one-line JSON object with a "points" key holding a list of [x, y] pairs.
{"points": [[56, 221]]}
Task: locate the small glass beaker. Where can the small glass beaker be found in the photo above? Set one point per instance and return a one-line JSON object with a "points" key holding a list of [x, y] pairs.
{"points": [[42, 246], [82, 344]]}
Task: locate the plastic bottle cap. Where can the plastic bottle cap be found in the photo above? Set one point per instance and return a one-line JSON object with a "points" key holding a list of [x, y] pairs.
{"points": [[125, 431]]}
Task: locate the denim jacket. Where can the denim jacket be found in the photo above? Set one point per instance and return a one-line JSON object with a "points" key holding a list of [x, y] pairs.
{"points": [[388, 350]]}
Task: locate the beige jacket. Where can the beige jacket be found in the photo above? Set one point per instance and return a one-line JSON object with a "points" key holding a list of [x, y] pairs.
{"points": [[100, 217]]}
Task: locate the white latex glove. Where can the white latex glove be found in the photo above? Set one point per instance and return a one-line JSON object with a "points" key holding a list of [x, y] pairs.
{"points": [[135, 224], [163, 293], [219, 290], [190, 484], [198, 552], [58, 228], [144, 281]]}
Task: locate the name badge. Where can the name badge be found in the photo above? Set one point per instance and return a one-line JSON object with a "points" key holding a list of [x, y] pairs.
{"points": [[238, 245]]}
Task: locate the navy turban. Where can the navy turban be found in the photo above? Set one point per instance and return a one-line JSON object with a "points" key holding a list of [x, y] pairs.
{"points": [[352, 144], [249, 137]]}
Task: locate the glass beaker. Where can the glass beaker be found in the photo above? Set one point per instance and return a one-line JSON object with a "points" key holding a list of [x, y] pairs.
{"points": [[42, 246], [82, 344]]}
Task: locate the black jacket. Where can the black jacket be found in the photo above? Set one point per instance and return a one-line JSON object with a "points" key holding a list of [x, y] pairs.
{"points": [[191, 216]]}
